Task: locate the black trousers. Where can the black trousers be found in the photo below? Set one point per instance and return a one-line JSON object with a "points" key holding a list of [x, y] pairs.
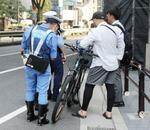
{"points": [[88, 92]]}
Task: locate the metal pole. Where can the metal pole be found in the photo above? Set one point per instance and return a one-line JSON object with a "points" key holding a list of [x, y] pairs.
{"points": [[18, 11], [141, 92], [133, 26], [126, 80]]}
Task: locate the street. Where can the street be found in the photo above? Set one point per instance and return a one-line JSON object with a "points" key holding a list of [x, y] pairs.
{"points": [[12, 88], [13, 109]]}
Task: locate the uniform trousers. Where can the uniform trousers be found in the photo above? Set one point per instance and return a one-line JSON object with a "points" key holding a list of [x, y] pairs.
{"points": [[37, 82]]}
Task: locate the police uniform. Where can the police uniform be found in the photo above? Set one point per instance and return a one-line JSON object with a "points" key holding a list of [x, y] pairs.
{"points": [[36, 81], [57, 70]]}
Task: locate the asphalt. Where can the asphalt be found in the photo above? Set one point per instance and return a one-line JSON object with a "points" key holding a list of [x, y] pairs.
{"points": [[124, 118]]}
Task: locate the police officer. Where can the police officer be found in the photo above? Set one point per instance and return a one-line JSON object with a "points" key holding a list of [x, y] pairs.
{"points": [[57, 67], [36, 81], [112, 17]]}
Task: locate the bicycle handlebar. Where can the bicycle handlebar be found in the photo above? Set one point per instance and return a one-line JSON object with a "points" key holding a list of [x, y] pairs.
{"points": [[81, 50]]}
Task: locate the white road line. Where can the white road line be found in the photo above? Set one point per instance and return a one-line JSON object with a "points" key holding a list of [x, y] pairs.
{"points": [[10, 70], [21, 67], [12, 114], [13, 53], [22, 109]]}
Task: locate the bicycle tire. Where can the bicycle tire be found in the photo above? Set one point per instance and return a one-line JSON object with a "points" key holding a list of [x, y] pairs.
{"points": [[77, 84], [61, 100]]}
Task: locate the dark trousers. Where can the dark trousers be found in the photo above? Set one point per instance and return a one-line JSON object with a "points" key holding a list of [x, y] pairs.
{"points": [[118, 87], [88, 92], [57, 70]]}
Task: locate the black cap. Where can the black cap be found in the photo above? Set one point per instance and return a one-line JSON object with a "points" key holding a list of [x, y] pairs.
{"points": [[98, 15]]}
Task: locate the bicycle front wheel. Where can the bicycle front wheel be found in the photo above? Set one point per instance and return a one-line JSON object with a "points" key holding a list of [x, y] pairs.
{"points": [[61, 100]]}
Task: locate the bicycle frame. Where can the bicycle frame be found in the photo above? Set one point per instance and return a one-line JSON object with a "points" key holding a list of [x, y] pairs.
{"points": [[71, 83]]}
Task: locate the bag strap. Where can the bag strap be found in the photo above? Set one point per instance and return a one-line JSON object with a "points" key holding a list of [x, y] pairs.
{"points": [[40, 42], [32, 39], [120, 27], [110, 29]]}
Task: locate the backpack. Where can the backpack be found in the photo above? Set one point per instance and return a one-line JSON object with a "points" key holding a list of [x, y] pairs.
{"points": [[127, 57]]}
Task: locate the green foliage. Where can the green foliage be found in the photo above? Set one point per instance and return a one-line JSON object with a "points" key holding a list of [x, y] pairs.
{"points": [[47, 6], [9, 8]]}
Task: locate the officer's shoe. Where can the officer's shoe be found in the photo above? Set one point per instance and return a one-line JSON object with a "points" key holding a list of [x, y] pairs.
{"points": [[30, 111], [42, 115], [31, 117], [119, 104]]}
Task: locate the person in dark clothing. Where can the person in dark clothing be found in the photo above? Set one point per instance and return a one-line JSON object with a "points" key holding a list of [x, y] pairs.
{"points": [[57, 68], [112, 18]]}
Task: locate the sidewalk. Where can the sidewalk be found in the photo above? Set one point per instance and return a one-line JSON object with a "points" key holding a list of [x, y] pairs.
{"points": [[124, 118]]}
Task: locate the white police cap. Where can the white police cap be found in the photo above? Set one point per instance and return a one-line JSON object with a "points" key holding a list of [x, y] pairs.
{"points": [[51, 17], [49, 13]]}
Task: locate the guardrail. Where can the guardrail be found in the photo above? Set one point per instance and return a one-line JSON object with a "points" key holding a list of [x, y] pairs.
{"points": [[10, 34], [140, 85], [67, 34]]}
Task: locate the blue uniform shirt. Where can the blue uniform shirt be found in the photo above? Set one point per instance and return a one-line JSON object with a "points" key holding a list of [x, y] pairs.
{"points": [[49, 47]]}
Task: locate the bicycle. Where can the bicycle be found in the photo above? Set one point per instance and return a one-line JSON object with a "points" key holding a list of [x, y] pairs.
{"points": [[72, 81]]}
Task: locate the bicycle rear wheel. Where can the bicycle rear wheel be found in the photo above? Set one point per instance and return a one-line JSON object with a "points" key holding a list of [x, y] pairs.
{"points": [[61, 100]]}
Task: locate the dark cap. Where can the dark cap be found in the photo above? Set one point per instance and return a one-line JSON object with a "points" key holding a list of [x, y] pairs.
{"points": [[98, 15]]}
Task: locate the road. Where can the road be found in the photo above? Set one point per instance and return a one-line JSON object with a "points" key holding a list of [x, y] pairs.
{"points": [[12, 93]]}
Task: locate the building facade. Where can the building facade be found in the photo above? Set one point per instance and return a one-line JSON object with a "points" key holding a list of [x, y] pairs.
{"points": [[76, 12]]}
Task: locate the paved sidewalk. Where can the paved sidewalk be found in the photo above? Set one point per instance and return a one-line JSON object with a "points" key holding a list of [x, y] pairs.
{"points": [[124, 118], [95, 120]]}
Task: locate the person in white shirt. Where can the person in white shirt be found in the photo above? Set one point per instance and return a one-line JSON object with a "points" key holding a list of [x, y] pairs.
{"points": [[112, 17], [103, 68]]}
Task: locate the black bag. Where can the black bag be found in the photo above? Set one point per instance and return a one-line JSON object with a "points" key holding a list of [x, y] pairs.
{"points": [[128, 47], [37, 63]]}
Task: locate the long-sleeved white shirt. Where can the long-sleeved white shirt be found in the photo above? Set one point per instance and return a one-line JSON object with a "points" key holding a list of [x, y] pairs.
{"points": [[120, 39], [105, 45]]}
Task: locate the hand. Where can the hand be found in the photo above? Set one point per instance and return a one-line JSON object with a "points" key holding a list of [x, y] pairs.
{"points": [[63, 57], [21, 51]]}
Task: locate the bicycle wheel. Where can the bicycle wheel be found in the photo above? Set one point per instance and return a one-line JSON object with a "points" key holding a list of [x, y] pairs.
{"points": [[61, 100], [76, 86]]}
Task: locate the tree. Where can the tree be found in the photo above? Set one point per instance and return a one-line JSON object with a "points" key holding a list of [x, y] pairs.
{"points": [[38, 4], [9, 8], [47, 6]]}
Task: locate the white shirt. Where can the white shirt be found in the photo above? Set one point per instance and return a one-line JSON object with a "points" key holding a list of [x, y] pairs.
{"points": [[120, 39], [104, 45]]}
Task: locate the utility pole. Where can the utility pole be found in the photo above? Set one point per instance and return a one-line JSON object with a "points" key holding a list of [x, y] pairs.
{"points": [[18, 11]]}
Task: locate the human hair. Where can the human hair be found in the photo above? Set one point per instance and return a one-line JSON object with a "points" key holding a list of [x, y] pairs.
{"points": [[115, 12]]}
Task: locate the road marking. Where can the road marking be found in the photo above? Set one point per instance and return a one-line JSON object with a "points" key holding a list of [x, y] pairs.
{"points": [[14, 53], [22, 109], [10, 70], [21, 67], [12, 114]]}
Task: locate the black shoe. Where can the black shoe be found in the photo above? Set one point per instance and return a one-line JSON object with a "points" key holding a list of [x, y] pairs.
{"points": [[42, 120], [104, 115], [78, 115], [119, 104], [30, 111]]}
